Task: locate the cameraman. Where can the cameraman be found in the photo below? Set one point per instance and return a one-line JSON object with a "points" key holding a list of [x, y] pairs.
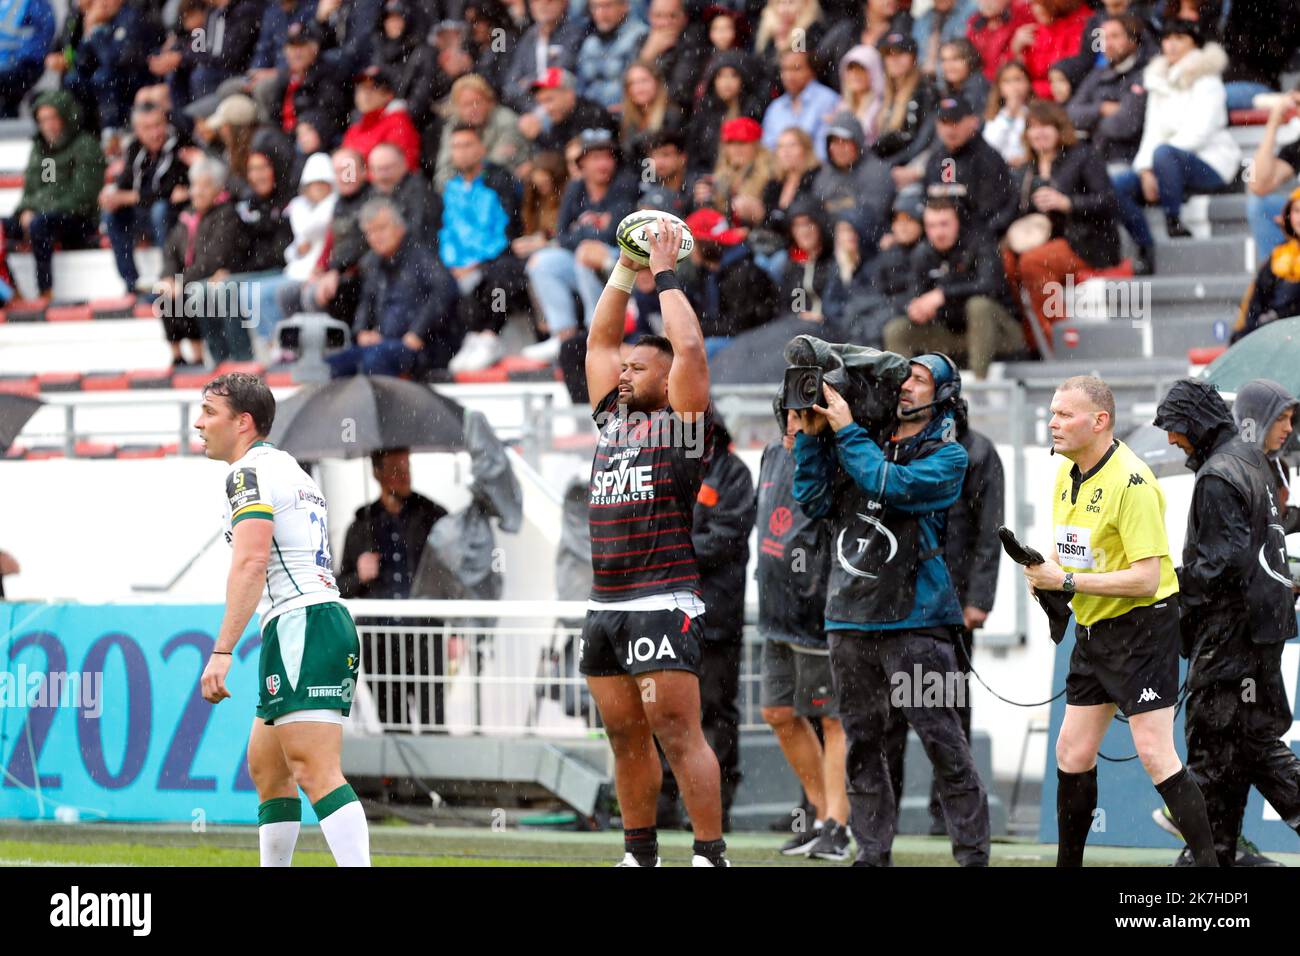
{"points": [[1238, 610], [891, 611]]}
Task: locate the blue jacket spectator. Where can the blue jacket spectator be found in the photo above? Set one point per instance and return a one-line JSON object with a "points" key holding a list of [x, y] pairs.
{"points": [[107, 59], [608, 51], [26, 29], [279, 14], [479, 217]]}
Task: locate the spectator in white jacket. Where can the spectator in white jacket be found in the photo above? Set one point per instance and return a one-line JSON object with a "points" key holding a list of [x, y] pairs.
{"points": [[1186, 147], [310, 215], [1008, 107]]}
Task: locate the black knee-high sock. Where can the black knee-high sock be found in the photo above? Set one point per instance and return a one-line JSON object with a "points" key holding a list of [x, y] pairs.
{"points": [[643, 844], [1076, 798], [1187, 806]]}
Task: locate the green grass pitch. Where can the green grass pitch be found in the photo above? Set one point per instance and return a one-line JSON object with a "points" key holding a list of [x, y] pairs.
{"points": [[25, 844]]}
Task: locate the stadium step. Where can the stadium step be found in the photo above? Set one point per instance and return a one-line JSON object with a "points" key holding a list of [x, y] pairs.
{"points": [[82, 275], [1219, 255], [1111, 339]]}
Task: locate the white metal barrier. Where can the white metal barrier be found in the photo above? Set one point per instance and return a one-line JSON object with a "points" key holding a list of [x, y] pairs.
{"points": [[488, 667]]}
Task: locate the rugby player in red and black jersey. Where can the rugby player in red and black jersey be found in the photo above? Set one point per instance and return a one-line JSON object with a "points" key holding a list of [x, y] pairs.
{"points": [[640, 646]]}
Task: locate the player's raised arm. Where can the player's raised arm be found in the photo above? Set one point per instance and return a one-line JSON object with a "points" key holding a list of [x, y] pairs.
{"points": [[604, 338], [688, 380]]}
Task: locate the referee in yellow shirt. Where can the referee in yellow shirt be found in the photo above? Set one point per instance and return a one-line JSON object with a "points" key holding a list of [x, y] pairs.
{"points": [[1108, 524]]}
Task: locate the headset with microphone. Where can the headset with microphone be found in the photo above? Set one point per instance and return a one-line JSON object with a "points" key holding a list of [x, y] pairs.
{"points": [[946, 393]]}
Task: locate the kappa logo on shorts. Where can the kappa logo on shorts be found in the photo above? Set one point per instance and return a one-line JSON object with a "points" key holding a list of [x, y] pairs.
{"points": [[643, 649], [1147, 695], [273, 684]]}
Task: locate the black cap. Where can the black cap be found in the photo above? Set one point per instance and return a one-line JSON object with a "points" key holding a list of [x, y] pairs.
{"points": [[379, 76], [954, 109], [1187, 28], [911, 202], [397, 8], [300, 33], [900, 42]]}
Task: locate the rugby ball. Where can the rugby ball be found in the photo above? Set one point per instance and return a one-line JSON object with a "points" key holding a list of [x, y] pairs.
{"points": [[637, 229]]}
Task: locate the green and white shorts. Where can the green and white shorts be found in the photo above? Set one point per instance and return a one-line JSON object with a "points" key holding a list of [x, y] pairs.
{"points": [[309, 662]]}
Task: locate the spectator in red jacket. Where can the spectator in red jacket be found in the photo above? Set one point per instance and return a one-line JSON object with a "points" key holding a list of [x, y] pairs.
{"points": [[991, 28], [1054, 35], [383, 118]]}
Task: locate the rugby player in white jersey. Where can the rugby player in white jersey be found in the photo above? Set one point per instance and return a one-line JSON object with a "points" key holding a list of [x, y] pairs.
{"points": [[276, 525]]}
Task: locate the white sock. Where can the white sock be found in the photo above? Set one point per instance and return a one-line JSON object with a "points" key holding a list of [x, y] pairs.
{"points": [[276, 842], [347, 835]]}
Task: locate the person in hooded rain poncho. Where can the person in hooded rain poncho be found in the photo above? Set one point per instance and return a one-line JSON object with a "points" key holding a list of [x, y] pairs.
{"points": [[1238, 607]]}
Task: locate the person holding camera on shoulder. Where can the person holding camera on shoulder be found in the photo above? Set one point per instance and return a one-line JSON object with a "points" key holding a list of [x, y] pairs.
{"points": [[891, 610]]}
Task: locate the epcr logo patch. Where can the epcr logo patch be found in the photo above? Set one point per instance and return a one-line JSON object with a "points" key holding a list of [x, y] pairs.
{"points": [[273, 684]]}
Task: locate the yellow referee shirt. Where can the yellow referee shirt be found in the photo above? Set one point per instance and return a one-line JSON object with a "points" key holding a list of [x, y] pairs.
{"points": [[1106, 520]]}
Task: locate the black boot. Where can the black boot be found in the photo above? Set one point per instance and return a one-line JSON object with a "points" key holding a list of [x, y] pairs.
{"points": [[1174, 226], [1144, 262]]}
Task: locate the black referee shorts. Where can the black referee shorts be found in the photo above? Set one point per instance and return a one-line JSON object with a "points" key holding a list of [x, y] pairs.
{"points": [[1130, 660]]}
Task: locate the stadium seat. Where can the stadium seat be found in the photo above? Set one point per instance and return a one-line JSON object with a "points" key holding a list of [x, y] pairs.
{"points": [[1253, 117], [95, 449], [121, 307], [1206, 355], [59, 381], [150, 378], [192, 378], [105, 381], [20, 385], [494, 375], [143, 310], [43, 454], [22, 310], [231, 367], [68, 313], [132, 452]]}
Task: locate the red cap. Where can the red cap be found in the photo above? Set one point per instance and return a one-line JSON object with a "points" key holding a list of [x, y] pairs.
{"points": [[709, 225], [742, 129], [553, 79]]}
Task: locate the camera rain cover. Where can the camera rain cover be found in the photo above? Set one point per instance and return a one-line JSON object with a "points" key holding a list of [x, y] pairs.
{"points": [[868, 378]]}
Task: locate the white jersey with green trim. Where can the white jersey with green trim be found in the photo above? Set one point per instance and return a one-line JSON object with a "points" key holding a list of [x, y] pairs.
{"points": [[268, 484]]}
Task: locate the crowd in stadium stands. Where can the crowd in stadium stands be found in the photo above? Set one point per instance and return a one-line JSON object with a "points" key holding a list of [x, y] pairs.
{"points": [[911, 175]]}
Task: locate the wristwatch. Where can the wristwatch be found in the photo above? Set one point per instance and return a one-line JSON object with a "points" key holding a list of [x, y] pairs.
{"points": [[1068, 584]]}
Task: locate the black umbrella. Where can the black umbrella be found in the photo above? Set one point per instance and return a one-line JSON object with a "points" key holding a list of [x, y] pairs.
{"points": [[757, 357], [354, 417], [15, 412]]}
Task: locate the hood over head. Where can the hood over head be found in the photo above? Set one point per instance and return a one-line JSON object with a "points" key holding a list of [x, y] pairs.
{"points": [[1197, 410], [1257, 407]]}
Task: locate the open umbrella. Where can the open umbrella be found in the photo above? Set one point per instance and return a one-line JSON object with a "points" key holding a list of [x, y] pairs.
{"points": [[353, 417], [757, 357], [15, 412]]}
